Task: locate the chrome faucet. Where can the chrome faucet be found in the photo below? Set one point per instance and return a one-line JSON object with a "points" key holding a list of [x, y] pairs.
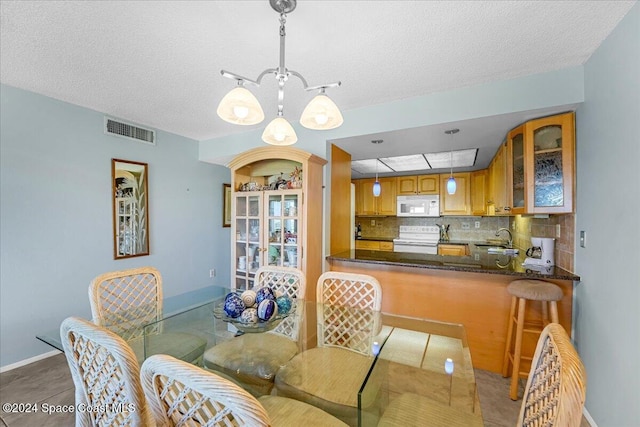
{"points": [[510, 241]]}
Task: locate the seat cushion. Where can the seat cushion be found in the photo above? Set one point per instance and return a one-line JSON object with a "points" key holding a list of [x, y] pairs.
{"points": [[180, 345], [537, 290], [328, 378], [290, 412], [413, 410], [253, 359]]}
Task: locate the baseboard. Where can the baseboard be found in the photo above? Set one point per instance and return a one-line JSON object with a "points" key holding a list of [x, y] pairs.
{"points": [[29, 360], [587, 416]]}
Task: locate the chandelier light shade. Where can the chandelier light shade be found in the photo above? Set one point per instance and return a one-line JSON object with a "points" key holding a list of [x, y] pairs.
{"points": [[451, 182], [376, 185], [321, 114], [241, 107], [279, 132]]}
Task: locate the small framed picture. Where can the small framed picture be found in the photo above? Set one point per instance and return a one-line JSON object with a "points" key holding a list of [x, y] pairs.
{"points": [[226, 205]]}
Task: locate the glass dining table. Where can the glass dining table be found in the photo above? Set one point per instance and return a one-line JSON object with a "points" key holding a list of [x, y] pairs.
{"points": [[402, 372]]}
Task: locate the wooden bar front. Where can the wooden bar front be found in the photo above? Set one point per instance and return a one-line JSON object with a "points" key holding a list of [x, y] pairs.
{"points": [[479, 301]]}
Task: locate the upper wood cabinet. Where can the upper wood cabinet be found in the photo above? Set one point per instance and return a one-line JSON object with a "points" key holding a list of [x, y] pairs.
{"points": [[367, 204], [541, 159], [479, 192], [418, 184], [458, 203], [497, 201]]}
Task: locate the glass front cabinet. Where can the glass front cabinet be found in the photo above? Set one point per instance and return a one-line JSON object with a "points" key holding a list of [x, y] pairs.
{"points": [[267, 225], [276, 214], [541, 165]]}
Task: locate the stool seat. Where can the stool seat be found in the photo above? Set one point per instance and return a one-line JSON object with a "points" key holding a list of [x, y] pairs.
{"points": [[521, 291], [536, 290]]}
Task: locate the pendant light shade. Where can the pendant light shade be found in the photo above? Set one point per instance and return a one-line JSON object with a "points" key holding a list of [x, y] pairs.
{"points": [[321, 113], [376, 188], [279, 132], [451, 185], [240, 107]]}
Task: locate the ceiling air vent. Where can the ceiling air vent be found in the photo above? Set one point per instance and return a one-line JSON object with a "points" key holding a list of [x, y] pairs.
{"points": [[129, 131]]}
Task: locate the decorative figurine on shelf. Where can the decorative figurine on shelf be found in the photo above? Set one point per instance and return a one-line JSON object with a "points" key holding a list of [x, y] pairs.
{"points": [[296, 178]]}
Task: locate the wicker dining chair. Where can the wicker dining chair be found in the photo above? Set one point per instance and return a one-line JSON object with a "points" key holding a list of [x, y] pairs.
{"points": [[556, 387], [265, 351], [125, 301], [330, 375], [106, 376], [180, 394]]}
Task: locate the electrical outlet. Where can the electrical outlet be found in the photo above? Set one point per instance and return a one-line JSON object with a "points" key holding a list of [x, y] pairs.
{"points": [[212, 272], [557, 231], [466, 225], [373, 222], [476, 257], [477, 224]]}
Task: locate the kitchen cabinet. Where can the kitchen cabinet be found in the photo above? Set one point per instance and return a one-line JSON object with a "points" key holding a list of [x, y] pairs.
{"points": [[549, 164], [516, 170], [276, 226], [418, 184], [458, 203], [375, 245], [479, 192], [453, 250], [367, 204], [498, 200]]}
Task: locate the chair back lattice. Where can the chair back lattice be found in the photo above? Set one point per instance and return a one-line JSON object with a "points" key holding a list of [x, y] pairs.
{"points": [[124, 301], [556, 387], [181, 394], [289, 281], [105, 373], [349, 310]]}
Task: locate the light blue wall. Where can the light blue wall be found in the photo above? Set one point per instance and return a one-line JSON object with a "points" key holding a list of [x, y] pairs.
{"points": [[55, 219], [608, 203], [562, 87]]}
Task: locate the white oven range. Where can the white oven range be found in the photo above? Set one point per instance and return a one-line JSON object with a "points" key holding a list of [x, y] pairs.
{"points": [[421, 239]]}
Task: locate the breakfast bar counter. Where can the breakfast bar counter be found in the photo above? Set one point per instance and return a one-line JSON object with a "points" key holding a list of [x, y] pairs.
{"points": [[470, 290]]}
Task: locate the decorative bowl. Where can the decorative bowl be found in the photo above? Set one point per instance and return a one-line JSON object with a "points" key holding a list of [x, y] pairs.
{"points": [[240, 324]]}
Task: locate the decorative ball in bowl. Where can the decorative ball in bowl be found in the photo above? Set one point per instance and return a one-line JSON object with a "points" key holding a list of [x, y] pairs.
{"points": [[254, 311]]}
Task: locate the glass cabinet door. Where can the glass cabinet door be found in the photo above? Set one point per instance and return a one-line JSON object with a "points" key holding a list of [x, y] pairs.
{"points": [[551, 160], [283, 225], [516, 141], [248, 226]]}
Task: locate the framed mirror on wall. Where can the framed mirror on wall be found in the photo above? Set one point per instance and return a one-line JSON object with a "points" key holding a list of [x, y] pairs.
{"points": [[130, 208]]}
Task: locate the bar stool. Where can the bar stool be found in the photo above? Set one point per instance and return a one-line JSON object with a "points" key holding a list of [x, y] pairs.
{"points": [[522, 291]]}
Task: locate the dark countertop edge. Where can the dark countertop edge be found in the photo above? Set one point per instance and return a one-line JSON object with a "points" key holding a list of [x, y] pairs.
{"points": [[562, 275]]}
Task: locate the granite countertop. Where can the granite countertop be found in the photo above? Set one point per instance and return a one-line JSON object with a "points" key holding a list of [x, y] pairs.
{"points": [[478, 261], [377, 239]]}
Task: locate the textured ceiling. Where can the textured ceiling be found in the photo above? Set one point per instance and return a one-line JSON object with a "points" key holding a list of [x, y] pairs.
{"points": [[158, 63]]}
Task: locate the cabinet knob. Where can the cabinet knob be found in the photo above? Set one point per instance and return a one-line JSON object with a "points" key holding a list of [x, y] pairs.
{"points": [[507, 208]]}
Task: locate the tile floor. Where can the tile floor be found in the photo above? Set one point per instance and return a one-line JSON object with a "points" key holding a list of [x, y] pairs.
{"points": [[49, 381]]}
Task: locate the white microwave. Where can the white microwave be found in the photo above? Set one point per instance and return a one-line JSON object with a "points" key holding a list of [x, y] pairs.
{"points": [[425, 205]]}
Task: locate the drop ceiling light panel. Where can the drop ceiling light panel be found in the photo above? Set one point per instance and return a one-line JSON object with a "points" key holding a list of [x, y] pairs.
{"points": [[406, 163], [369, 166], [461, 158]]}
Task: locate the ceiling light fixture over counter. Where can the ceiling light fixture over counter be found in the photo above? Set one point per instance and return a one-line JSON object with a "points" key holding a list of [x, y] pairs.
{"points": [[241, 107], [451, 182]]}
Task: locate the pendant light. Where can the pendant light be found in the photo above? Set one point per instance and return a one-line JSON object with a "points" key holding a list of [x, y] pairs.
{"points": [[376, 185], [451, 182], [241, 107]]}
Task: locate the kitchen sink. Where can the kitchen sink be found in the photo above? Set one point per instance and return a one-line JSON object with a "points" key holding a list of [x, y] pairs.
{"points": [[490, 244]]}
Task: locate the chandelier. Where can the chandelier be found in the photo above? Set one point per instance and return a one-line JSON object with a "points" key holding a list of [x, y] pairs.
{"points": [[241, 107]]}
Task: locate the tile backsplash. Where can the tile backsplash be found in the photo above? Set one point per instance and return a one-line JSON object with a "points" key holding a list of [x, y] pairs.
{"points": [[524, 228], [462, 228]]}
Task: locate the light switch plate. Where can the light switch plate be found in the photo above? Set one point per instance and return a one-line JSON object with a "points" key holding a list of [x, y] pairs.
{"points": [[583, 239], [557, 231]]}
